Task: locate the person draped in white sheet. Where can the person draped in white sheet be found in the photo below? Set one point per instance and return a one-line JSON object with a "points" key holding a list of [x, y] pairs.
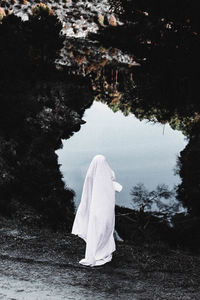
{"points": [[95, 218]]}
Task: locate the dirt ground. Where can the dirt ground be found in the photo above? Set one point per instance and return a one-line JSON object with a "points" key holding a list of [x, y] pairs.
{"points": [[42, 264]]}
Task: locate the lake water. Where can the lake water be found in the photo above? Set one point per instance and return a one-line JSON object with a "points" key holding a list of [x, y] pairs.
{"points": [[138, 151]]}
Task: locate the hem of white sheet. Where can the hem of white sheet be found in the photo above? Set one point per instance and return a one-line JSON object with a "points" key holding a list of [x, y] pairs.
{"points": [[98, 262]]}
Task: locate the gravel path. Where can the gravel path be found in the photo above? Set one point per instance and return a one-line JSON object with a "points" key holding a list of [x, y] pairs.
{"points": [[44, 265]]}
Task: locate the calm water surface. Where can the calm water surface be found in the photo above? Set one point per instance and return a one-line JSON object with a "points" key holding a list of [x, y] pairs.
{"points": [[138, 151]]}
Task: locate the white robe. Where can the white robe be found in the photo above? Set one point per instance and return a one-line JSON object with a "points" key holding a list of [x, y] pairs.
{"points": [[95, 218]]}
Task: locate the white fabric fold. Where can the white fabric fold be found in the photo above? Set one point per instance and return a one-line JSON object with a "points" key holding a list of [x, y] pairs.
{"points": [[95, 218]]}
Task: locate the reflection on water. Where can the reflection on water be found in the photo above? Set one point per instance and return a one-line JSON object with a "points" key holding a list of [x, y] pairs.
{"points": [[138, 151]]}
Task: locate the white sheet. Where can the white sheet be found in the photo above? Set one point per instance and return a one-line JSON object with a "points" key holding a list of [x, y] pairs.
{"points": [[95, 218]]}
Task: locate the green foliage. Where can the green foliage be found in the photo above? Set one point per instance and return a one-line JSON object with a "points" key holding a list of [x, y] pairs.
{"points": [[164, 38], [45, 39], [39, 107], [30, 45], [34, 117], [153, 200], [142, 227], [42, 10], [188, 167]]}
